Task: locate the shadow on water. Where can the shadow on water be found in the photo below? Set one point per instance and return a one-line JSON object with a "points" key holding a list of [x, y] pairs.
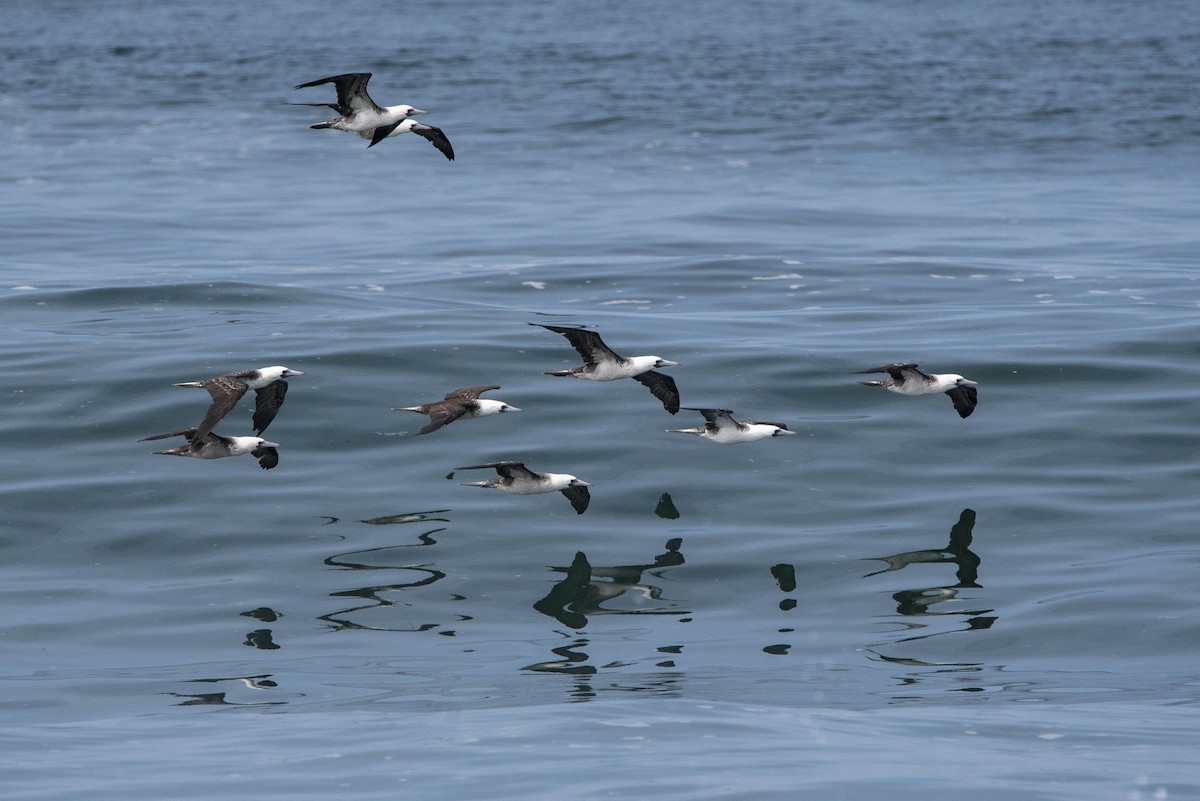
{"points": [[919, 602]]}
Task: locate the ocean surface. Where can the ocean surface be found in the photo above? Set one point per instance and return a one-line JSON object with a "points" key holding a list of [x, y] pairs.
{"points": [[896, 603]]}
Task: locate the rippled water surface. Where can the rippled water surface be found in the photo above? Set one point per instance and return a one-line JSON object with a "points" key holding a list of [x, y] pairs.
{"points": [[894, 603]]}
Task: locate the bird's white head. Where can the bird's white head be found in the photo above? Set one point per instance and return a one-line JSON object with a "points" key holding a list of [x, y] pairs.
{"points": [[278, 371], [248, 444]]}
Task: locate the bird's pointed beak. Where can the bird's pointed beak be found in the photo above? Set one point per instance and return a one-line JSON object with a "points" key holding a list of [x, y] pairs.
{"points": [[784, 432], [666, 363], [270, 444], [289, 373], [580, 483], [418, 111], [966, 382], [508, 407]]}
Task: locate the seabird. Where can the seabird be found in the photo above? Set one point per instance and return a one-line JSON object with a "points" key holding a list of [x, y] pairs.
{"points": [[601, 363], [906, 379], [363, 117], [226, 390], [215, 446], [722, 428], [518, 479], [463, 403]]}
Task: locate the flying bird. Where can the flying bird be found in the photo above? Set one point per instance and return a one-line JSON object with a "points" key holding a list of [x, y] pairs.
{"points": [[516, 478], [721, 427], [215, 446], [461, 404], [363, 117], [601, 363], [906, 379], [226, 390]]}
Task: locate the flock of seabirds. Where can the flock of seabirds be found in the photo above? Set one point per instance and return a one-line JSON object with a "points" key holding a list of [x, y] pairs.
{"points": [[358, 114]]}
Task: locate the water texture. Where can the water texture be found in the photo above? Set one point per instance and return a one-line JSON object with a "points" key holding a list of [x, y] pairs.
{"points": [[896, 602]]}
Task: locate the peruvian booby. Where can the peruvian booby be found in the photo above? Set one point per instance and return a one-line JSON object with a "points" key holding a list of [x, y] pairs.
{"points": [[363, 117], [463, 403], [906, 379], [601, 363], [226, 390], [518, 479], [722, 428], [215, 446]]}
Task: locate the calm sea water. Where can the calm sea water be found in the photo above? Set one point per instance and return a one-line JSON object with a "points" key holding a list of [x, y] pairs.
{"points": [[894, 603]]}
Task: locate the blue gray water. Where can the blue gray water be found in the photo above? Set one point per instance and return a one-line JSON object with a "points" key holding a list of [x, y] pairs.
{"points": [[894, 603]]}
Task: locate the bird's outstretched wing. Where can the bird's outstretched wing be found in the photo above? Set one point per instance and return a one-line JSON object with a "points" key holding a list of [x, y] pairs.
{"points": [[267, 457], [351, 91], [225, 393], [587, 344], [662, 386], [965, 399], [267, 401], [579, 498]]}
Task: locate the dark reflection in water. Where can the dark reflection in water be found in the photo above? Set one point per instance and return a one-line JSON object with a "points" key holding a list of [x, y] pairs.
{"points": [[571, 660], [666, 508], [583, 592], [374, 595], [380, 559], [918, 602], [261, 639], [263, 613], [785, 577], [586, 683], [585, 589], [263, 682]]}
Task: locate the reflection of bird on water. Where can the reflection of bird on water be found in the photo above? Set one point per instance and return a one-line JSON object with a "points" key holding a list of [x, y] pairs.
{"points": [[958, 550], [584, 589], [917, 602]]}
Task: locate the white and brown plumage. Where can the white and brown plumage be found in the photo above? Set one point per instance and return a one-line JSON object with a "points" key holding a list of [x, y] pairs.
{"points": [[516, 478], [906, 379], [226, 390], [363, 117], [722, 428], [463, 403], [215, 446], [602, 363]]}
